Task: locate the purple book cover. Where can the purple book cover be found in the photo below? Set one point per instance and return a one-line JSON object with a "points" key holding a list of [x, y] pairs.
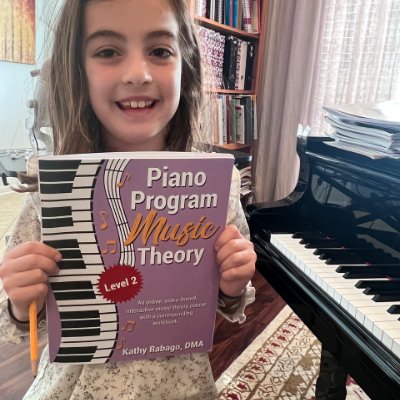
{"points": [[138, 278]]}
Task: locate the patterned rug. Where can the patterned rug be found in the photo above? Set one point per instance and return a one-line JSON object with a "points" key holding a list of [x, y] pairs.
{"points": [[281, 363]]}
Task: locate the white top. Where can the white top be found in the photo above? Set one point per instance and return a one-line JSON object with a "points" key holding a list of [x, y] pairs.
{"points": [[175, 377]]}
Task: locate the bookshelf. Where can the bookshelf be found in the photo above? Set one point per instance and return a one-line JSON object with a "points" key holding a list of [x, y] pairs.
{"points": [[235, 111], [235, 81]]}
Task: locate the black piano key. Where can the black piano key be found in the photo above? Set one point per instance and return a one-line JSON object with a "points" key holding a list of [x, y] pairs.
{"points": [[73, 359], [75, 295], [56, 188], [360, 251], [77, 350], [345, 256], [89, 323], [320, 243], [367, 272], [71, 285], [52, 166], [309, 235], [64, 176], [341, 258], [52, 212], [79, 314], [63, 243], [57, 222], [68, 254], [387, 284], [80, 332], [394, 309], [71, 264], [381, 291], [386, 297]]}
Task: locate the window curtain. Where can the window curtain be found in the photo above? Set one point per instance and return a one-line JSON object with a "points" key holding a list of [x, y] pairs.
{"points": [[317, 53]]}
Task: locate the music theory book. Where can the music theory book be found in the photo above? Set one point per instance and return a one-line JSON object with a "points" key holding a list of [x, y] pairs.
{"points": [[138, 276]]}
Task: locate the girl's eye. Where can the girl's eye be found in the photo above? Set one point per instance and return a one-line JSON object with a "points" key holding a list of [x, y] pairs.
{"points": [[161, 53], [106, 53]]}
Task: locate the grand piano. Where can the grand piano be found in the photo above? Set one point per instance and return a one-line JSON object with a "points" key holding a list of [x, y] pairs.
{"points": [[331, 249]]}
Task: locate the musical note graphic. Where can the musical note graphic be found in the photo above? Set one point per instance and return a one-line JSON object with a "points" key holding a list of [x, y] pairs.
{"points": [[128, 326], [104, 218], [125, 178], [121, 344], [111, 247]]}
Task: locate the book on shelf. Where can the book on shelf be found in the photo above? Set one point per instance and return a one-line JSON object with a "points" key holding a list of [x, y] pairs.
{"points": [[138, 275], [235, 119], [247, 16], [228, 60], [239, 14], [239, 115]]}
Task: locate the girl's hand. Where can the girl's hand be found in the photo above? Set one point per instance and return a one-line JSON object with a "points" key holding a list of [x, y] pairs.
{"points": [[24, 272], [236, 257]]}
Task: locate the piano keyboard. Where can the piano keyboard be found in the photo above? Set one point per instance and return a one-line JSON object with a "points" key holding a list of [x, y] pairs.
{"points": [[89, 324], [377, 310]]}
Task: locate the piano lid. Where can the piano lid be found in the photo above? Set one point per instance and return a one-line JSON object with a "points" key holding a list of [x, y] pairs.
{"points": [[338, 191]]}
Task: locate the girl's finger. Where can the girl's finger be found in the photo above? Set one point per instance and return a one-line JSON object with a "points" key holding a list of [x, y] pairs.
{"points": [[33, 248], [230, 232], [25, 279], [234, 246]]}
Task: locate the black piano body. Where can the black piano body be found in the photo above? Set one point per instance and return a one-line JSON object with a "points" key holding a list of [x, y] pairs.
{"points": [[345, 196]]}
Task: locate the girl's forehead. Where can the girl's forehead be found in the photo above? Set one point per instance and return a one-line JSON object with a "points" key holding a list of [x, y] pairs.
{"points": [[132, 15]]}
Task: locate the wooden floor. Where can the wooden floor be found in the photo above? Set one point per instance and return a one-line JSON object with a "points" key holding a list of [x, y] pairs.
{"points": [[230, 340]]}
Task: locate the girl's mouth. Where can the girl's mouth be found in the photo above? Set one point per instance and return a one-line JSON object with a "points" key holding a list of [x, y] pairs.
{"points": [[133, 105]]}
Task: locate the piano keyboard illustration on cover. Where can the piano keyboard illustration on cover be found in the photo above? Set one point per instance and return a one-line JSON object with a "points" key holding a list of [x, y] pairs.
{"points": [[89, 324]]}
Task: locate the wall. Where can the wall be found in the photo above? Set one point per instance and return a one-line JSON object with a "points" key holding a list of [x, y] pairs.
{"points": [[16, 84]]}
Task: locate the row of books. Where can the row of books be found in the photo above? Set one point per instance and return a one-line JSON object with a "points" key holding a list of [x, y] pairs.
{"points": [[229, 60], [370, 129], [234, 119], [240, 14]]}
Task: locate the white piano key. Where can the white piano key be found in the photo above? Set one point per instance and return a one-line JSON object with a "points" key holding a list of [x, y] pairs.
{"points": [[76, 194], [80, 237], [88, 270], [87, 169], [76, 278], [75, 204], [104, 308], [396, 347], [88, 248], [372, 315], [83, 181], [112, 317]]}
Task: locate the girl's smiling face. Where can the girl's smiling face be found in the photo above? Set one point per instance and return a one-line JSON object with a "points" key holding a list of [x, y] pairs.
{"points": [[133, 69]]}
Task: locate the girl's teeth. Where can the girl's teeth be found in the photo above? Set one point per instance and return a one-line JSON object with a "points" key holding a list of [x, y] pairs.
{"points": [[138, 104]]}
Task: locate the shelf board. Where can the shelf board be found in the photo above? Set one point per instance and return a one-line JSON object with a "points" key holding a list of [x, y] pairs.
{"points": [[232, 91], [234, 146], [208, 23]]}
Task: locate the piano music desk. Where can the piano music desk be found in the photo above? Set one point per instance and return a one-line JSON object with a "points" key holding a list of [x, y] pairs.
{"points": [[10, 167]]}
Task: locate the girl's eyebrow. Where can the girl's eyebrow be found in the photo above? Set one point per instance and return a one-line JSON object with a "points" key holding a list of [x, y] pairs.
{"points": [[105, 33], [161, 33]]}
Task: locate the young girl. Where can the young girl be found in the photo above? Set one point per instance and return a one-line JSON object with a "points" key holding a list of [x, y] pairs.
{"points": [[125, 75]]}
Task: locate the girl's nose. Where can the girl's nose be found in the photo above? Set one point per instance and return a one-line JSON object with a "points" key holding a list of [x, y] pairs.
{"points": [[136, 72]]}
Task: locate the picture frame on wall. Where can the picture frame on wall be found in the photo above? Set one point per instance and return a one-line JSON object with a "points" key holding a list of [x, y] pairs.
{"points": [[17, 31]]}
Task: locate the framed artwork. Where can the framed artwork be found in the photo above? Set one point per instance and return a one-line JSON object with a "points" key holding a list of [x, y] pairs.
{"points": [[17, 31]]}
